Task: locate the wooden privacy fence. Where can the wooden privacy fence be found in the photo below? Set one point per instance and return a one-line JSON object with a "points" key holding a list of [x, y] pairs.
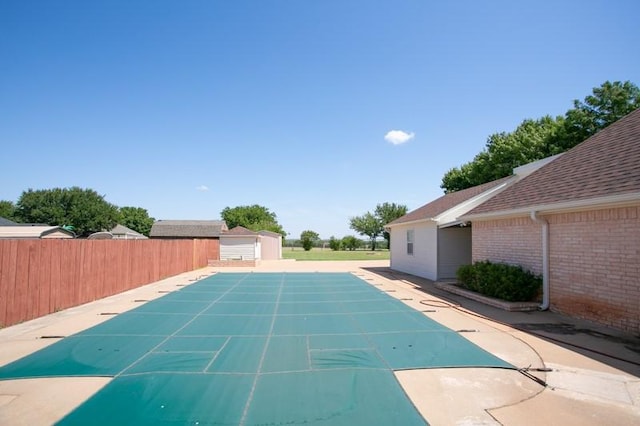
{"points": [[39, 277]]}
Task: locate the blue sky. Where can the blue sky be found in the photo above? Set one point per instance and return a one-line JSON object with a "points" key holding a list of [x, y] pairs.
{"points": [[187, 107]]}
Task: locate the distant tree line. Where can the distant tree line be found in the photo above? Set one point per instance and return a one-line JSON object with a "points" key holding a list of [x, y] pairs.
{"points": [[348, 242], [82, 210], [85, 212], [540, 138]]}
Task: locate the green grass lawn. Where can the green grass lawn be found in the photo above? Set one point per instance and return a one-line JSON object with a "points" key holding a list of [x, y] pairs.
{"points": [[328, 254]]}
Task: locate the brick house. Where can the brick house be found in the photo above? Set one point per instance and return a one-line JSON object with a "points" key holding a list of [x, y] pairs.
{"points": [[431, 241], [576, 221]]}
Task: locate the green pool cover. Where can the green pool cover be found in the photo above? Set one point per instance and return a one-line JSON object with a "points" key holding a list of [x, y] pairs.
{"points": [[256, 349]]}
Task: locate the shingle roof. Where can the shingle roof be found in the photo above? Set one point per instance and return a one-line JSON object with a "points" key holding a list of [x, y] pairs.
{"points": [[6, 222], [446, 202], [188, 228], [606, 164], [240, 231], [123, 230]]}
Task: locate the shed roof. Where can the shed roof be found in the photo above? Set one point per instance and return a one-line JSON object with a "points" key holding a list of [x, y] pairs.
{"points": [[605, 165], [239, 231], [188, 228], [448, 201]]}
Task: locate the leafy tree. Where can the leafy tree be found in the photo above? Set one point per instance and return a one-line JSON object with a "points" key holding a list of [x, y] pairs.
{"points": [[504, 151], [136, 218], [7, 209], [606, 105], [254, 217], [387, 213], [369, 225], [536, 139], [334, 243], [308, 238], [84, 209], [350, 242]]}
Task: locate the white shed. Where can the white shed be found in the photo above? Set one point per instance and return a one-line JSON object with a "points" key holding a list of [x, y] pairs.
{"points": [[240, 243], [271, 245]]}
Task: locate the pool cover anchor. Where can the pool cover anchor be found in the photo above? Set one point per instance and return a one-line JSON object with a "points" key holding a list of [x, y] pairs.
{"points": [[525, 371]]}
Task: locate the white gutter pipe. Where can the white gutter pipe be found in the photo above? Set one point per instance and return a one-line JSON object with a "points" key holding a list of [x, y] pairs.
{"points": [[545, 259]]}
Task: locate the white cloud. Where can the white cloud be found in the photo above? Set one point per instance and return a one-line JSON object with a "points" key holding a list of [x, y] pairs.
{"points": [[202, 188], [398, 137]]}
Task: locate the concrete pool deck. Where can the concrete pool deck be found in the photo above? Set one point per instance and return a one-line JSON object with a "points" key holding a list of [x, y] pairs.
{"points": [[584, 384]]}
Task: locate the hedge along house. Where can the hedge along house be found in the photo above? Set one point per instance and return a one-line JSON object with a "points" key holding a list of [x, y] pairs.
{"points": [[576, 221], [431, 241]]}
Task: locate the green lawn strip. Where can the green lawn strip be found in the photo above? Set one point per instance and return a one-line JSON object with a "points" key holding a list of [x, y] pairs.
{"points": [[328, 254]]}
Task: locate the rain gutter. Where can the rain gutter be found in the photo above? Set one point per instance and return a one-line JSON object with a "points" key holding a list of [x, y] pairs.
{"points": [[545, 259]]}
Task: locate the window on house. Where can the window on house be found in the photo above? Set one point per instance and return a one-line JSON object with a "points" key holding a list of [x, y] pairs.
{"points": [[410, 242]]}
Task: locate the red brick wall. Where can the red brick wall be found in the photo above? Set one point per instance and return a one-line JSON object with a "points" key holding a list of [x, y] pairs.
{"points": [[516, 241], [595, 266], [594, 260]]}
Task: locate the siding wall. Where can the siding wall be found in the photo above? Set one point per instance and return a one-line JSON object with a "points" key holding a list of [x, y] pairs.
{"points": [[238, 248], [423, 262], [454, 250], [594, 260], [39, 277], [271, 247]]}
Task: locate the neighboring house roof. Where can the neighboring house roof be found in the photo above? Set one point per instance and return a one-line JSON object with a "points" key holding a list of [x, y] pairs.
{"points": [[188, 228], [35, 232], [102, 235], [431, 211], [603, 169], [7, 222], [121, 230], [239, 231]]}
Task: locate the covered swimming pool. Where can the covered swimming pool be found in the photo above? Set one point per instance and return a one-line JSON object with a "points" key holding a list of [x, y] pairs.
{"points": [[257, 349]]}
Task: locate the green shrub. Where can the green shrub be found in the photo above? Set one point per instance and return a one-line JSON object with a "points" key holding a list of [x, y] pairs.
{"points": [[499, 280], [334, 243], [350, 243]]}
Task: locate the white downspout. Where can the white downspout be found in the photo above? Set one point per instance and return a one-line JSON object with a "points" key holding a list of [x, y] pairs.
{"points": [[545, 259]]}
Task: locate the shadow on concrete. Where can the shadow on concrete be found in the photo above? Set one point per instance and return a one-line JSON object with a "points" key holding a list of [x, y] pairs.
{"points": [[609, 346]]}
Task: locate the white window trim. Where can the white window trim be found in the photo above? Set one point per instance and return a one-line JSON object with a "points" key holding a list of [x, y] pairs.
{"points": [[410, 242]]}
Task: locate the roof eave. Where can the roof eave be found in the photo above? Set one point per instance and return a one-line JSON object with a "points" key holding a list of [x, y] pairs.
{"points": [[617, 200], [410, 222]]}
